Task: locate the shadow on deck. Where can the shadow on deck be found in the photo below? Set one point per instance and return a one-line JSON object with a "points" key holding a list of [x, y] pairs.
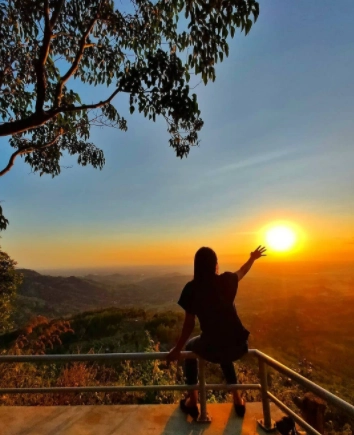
{"points": [[128, 420]]}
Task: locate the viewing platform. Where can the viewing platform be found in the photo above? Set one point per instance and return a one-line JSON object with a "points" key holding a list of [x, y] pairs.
{"points": [[214, 419], [128, 420]]}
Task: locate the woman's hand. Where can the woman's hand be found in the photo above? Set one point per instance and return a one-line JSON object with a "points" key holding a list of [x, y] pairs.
{"points": [[173, 355], [258, 253]]}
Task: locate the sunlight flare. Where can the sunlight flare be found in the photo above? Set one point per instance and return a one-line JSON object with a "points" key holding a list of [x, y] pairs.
{"points": [[280, 238]]}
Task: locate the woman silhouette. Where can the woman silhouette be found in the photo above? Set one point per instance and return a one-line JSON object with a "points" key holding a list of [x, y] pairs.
{"points": [[210, 297]]}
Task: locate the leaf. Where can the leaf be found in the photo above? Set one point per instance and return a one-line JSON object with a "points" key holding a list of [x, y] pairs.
{"points": [[255, 11], [248, 26], [227, 50], [132, 108]]}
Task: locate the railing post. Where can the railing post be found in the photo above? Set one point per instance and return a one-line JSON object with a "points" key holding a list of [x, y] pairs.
{"points": [[266, 423], [203, 417]]}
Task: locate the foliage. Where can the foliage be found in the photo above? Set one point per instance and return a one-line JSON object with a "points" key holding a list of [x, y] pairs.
{"points": [[165, 327], [3, 221], [41, 335], [140, 50], [127, 333], [9, 281]]}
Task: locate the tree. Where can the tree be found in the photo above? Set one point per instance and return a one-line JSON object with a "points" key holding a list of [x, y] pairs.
{"points": [[9, 281], [3, 221], [147, 51]]}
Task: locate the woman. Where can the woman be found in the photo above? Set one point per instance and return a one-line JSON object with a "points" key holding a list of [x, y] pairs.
{"points": [[210, 297]]}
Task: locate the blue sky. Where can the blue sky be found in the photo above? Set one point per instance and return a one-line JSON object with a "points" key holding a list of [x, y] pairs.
{"points": [[277, 143]]}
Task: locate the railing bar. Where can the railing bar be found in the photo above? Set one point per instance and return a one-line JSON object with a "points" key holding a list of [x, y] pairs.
{"points": [[96, 357], [319, 391], [267, 420], [202, 392], [92, 357], [94, 389], [233, 386], [292, 414]]}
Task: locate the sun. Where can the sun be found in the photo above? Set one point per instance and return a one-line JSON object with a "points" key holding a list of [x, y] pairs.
{"points": [[280, 238]]}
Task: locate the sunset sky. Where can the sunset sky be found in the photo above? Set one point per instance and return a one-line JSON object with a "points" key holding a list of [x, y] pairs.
{"points": [[277, 145]]}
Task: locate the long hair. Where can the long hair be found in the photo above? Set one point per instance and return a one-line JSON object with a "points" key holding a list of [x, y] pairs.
{"points": [[205, 262]]}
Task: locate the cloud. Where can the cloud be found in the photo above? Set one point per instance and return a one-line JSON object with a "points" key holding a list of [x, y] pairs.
{"points": [[253, 161]]}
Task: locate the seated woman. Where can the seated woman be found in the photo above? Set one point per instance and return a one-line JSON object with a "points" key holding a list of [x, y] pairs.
{"points": [[210, 297]]}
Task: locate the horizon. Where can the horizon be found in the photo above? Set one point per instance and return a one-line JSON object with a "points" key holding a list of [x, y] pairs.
{"points": [[187, 269]]}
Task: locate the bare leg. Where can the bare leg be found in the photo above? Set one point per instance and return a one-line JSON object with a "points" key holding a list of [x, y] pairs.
{"points": [[191, 374], [237, 398], [192, 398], [230, 376]]}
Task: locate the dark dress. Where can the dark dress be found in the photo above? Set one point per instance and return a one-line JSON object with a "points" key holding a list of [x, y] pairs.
{"points": [[223, 338]]}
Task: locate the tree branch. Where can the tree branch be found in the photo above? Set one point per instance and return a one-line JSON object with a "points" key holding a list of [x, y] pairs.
{"points": [[21, 125], [26, 151], [42, 59], [36, 120], [56, 13], [46, 15], [85, 106], [72, 70]]}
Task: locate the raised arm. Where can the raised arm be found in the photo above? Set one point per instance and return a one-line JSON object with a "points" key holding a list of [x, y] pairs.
{"points": [[188, 327], [258, 253]]}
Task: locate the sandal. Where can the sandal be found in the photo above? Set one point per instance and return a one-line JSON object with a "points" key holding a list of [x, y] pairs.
{"points": [[193, 411], [240, 409]]}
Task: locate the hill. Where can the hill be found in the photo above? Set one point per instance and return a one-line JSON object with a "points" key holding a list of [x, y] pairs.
{"points": [[54, 296]]}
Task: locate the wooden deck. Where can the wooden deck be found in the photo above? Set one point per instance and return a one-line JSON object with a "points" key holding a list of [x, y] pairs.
{"points": [[127, 420]]}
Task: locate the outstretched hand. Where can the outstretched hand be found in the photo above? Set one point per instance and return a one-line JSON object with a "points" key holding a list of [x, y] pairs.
{"points": [[258, 253]]}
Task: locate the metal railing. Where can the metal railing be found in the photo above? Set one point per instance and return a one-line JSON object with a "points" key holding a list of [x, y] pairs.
{"points": [[263, 360]]}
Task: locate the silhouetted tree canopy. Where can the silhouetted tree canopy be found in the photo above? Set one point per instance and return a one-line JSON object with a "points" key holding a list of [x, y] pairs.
{"points": [[3, 221], [9, 281], [146, 49]]}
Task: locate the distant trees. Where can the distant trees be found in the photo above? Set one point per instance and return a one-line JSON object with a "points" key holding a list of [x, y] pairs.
{"points": [[145, 50], [165, 327], [9, 281]]}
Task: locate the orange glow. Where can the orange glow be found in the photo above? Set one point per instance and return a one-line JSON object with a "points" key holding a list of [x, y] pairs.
{"points": [[317, 239]]}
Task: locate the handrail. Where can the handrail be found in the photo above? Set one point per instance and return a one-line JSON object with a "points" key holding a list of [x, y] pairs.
{"points": [[309, 429], [314, 388], [138, 356], [132, 356], [263, 359], [98, 389]]}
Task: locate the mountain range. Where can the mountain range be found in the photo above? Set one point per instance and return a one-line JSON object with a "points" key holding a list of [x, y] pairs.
{"points": [[54, 296]]}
